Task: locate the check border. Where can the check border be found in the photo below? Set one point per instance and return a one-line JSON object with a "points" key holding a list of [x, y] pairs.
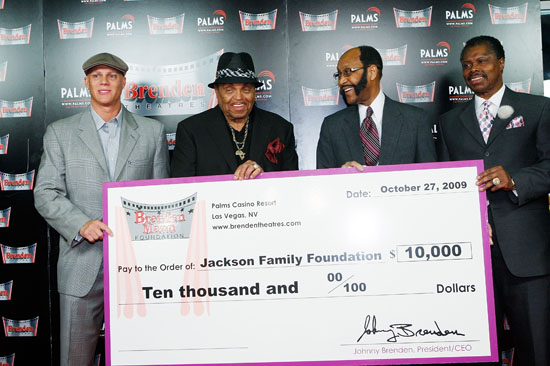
{"points": [[300, 173]]}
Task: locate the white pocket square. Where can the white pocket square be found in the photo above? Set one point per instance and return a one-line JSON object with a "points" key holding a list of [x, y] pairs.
{"points": [[516, 122]]}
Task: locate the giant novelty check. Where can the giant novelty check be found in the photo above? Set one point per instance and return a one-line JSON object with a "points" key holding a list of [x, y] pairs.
{"points": [[331, 267]]}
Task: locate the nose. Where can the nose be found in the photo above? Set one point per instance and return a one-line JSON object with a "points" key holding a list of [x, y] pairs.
{"points": [[342, 80]]}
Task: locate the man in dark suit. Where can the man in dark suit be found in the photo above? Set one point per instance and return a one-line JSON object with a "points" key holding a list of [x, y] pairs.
{"points": [[374, 129], [102, 144], [511, 132], [236, 137]]}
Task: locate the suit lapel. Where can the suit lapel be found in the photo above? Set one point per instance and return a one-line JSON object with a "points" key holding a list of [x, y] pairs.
{"points": [[128, 139], [469, 120], [500, 124], [88, 135], [391, 130], [260, 136], [350, 133], [217, 128]]}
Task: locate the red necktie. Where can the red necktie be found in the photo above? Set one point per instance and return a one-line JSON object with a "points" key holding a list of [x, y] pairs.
{"points": [[369, 136]]}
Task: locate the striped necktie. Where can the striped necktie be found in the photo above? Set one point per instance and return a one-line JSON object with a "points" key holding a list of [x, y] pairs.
{"points": [[369, 136]]}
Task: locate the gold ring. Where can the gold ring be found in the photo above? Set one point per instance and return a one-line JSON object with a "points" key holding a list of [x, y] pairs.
{"points": [[496, 181]]}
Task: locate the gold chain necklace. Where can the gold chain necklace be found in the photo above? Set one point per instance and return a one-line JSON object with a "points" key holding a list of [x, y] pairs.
{"points": [[240, 145]]}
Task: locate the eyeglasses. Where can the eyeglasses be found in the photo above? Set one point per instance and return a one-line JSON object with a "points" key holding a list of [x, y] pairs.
{"points": [[346, 72]]}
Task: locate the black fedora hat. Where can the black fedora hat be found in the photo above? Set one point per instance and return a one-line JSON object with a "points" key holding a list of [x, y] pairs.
{"points": [[235, 68]]}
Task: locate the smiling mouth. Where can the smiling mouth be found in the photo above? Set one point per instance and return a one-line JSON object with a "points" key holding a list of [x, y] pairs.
{"points": [[347, 89], [476, 78]]}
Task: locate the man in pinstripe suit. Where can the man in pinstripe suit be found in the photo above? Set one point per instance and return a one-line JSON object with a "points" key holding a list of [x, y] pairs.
{"points": [[104, 143]]}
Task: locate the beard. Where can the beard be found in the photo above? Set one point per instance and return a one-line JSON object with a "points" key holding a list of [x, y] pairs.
{"points": [[358, 88]]}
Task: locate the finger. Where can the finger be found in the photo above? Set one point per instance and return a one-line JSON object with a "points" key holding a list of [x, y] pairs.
{"points": [[357, 166], [107, 229], [248, 171], [256, 172]]}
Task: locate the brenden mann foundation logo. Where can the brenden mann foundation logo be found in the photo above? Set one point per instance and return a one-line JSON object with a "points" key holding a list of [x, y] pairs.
{"points": [[5, 217], [366, 21], [170, 89], [7, 360], [17, 255], [320, 97], [15, 36], [416, 93], [4, 140], [172, 25], [435, 56], [14, 109], [464, 17], [160, 221], [17, 182], [171, 140], [265, 91], [212, 24], [321, 22], [20, 328], [123, 27], [521, 86], [5, 291], [460, 93], [394, 56], [3, 71], [413, 18], [254, 22], [511, 15], [76, 30]]}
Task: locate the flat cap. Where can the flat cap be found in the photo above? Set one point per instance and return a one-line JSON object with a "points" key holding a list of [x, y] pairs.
{"points": [[106, 59]]}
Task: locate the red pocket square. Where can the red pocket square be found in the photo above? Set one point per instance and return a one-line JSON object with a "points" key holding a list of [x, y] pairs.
{"points": [[274, 147], [515, 123]]}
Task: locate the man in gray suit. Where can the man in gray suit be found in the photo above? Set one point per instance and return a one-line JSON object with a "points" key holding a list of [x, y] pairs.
{"points": [[374, 129], [104, 143]]}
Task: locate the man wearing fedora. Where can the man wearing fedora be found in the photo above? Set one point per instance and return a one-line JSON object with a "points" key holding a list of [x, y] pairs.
{"points": [[236, 137], [102, 144]]}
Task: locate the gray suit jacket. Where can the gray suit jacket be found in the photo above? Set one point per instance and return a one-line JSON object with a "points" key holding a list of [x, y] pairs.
{"points": [[522, 223], [68, 190], [406, 137]]}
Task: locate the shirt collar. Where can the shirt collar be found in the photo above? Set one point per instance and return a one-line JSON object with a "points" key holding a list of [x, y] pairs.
{"points": [[377, 106], [495, 99], [99, 122]]}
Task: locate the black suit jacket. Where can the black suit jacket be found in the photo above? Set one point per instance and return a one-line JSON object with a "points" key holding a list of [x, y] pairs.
{"points": [[522, 222], [203, 148], [406, 137]]}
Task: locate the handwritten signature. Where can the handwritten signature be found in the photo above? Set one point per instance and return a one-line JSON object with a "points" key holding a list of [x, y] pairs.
{"points": [[403, 330]]}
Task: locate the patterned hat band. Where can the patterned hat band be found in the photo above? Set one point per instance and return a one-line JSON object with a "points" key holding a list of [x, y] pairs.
{"points": [[228, 73]]}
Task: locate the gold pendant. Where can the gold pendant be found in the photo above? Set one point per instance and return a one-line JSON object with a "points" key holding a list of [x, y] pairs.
{"points": [[240, 154]]}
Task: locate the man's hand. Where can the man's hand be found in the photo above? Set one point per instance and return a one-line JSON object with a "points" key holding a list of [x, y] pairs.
{"points": [[93, 231], [495, 178], [247, 170], [353, 164]]}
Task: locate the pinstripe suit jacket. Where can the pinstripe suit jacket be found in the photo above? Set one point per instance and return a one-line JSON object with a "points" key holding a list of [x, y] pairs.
{"points": [[68, 191]]}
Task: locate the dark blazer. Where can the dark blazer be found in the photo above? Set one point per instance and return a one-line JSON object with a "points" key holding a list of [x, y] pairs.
{"points": [[522, 223], [406, 137], [203, 148]]}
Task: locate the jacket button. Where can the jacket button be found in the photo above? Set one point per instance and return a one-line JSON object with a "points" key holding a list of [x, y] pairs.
{"points": [[487, 153]]}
